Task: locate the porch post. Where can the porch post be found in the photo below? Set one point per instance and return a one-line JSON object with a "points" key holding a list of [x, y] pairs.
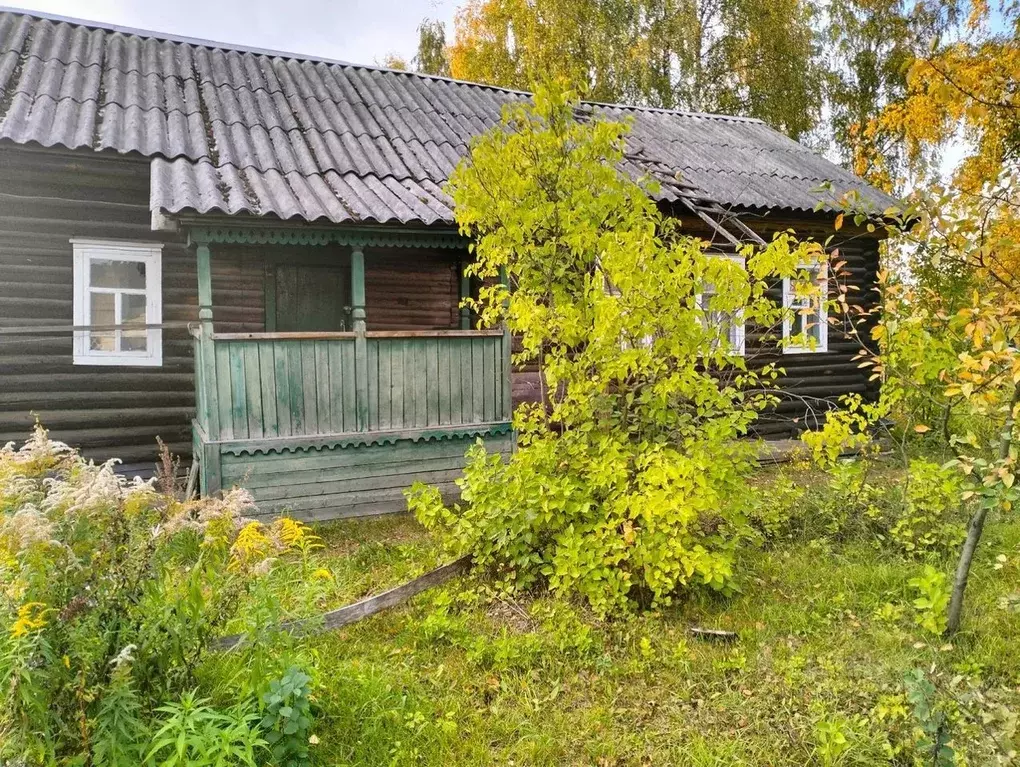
{"points": [[209, 414], [508, 407], [360, 342], [465, 292]]}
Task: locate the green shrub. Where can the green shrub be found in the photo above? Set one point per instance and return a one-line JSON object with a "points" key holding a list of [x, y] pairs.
{"points": [[931, 587], [111, 595], [629, 484], [931, 516], [192, 733], [921, 514], [777, 510], [287, 718]]}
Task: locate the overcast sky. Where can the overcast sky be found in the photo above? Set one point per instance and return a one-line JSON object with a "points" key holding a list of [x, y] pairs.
{"points": [[359, 31]]}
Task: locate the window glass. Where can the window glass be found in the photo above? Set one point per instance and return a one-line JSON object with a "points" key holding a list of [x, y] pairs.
{"points": [[108, 273], [132, 308], [806, 323], [133, 341], [730, 324]]}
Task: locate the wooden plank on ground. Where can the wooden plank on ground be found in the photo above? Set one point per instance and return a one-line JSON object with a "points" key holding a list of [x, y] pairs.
{"points": [[364, 608]]}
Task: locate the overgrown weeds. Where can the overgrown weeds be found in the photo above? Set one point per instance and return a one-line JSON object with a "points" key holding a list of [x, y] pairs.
{"points": [[112, 595]]}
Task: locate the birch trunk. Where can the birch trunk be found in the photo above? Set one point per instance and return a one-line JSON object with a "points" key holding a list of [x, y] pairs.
{"points": [[974, 530]]}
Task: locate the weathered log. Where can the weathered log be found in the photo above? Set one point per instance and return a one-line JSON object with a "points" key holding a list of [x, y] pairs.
{"points": [[364, 608]]}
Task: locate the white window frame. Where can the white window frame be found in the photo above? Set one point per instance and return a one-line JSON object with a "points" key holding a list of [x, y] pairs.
{"points": [[85, 250], [793, 303], [737, 332]]}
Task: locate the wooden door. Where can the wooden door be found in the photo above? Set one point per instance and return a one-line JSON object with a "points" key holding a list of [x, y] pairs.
{"points": [[307, 298]]}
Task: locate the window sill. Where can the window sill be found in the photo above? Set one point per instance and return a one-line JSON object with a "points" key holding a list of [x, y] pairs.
{"points": [[117, 361]]}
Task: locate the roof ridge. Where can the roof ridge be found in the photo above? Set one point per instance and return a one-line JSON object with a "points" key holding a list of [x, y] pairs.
{"points": [[241, 48], [682, 112]]}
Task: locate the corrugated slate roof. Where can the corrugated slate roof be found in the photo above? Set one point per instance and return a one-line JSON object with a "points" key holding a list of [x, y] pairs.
{"points": [[244, 131]]}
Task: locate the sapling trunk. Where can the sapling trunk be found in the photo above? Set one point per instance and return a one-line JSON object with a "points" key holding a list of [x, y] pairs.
{"points": [[974, 530]]}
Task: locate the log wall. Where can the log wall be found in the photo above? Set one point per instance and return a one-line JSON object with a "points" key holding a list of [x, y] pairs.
{"points": [[46, 198]]}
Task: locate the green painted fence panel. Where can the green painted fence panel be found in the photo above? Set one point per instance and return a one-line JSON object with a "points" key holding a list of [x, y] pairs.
{"points": [[384, 386], [296, 388], [323, 386], [271, 388], [310, 387], [488, 402], [253, 391], [286, 424], [349, 386], [223, 393], [373, 387], [267, 380]]}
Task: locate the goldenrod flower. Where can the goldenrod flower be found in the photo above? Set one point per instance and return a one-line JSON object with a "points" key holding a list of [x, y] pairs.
{"points": [[296, 535], [31, 616], [252, 544]]}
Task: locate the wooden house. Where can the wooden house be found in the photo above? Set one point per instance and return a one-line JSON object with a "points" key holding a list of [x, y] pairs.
{"points": [[250, 254]]}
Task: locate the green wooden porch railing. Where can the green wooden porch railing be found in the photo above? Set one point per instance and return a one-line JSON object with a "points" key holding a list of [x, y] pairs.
{"points": [[280, 385]]}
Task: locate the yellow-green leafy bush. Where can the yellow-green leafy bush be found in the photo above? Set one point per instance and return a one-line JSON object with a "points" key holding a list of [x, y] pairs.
{"points": [[630, 483]]}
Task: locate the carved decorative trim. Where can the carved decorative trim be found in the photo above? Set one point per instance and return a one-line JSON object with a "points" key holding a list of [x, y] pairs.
{"points": [[262, 234], [359, 439]]}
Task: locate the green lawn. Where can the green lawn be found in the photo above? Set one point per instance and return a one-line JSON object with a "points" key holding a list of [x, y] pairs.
{"points": [[826, 634]]}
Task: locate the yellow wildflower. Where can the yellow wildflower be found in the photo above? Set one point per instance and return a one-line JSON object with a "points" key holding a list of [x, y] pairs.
{"points": [[31, 616], [252, 544], [296, 535], [217, 531], [323, 573]]}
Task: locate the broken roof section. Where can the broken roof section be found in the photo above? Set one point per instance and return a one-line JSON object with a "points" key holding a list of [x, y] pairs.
{"points": [[233, 130]]}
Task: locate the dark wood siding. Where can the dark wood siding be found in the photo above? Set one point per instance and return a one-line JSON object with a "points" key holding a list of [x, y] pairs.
{"points": [[813, 382], [46, 198], [408, 289]]}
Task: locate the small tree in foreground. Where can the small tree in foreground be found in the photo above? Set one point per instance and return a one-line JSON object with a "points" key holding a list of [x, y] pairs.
{"points": [[630, 482], [949, 359]]}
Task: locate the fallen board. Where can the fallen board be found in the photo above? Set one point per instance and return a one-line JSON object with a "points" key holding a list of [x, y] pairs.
{"points": [[364, 608]]}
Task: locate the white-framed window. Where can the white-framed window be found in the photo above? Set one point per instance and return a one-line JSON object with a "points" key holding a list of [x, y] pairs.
{"points": [[805, 318], [118, 299], [730, 323]]}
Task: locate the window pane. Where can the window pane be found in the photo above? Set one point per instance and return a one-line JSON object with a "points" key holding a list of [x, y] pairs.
{"points": [[101, 309], [816, 328], [107, 273], [798, 324], [132, 308], [102, 342], [133, 341]]}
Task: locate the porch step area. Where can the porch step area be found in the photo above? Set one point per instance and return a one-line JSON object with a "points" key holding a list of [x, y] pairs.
{"points": [[351, 480]]}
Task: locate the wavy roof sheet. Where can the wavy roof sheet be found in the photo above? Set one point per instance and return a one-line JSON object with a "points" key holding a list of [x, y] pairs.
{"points": [[236, 130]]}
